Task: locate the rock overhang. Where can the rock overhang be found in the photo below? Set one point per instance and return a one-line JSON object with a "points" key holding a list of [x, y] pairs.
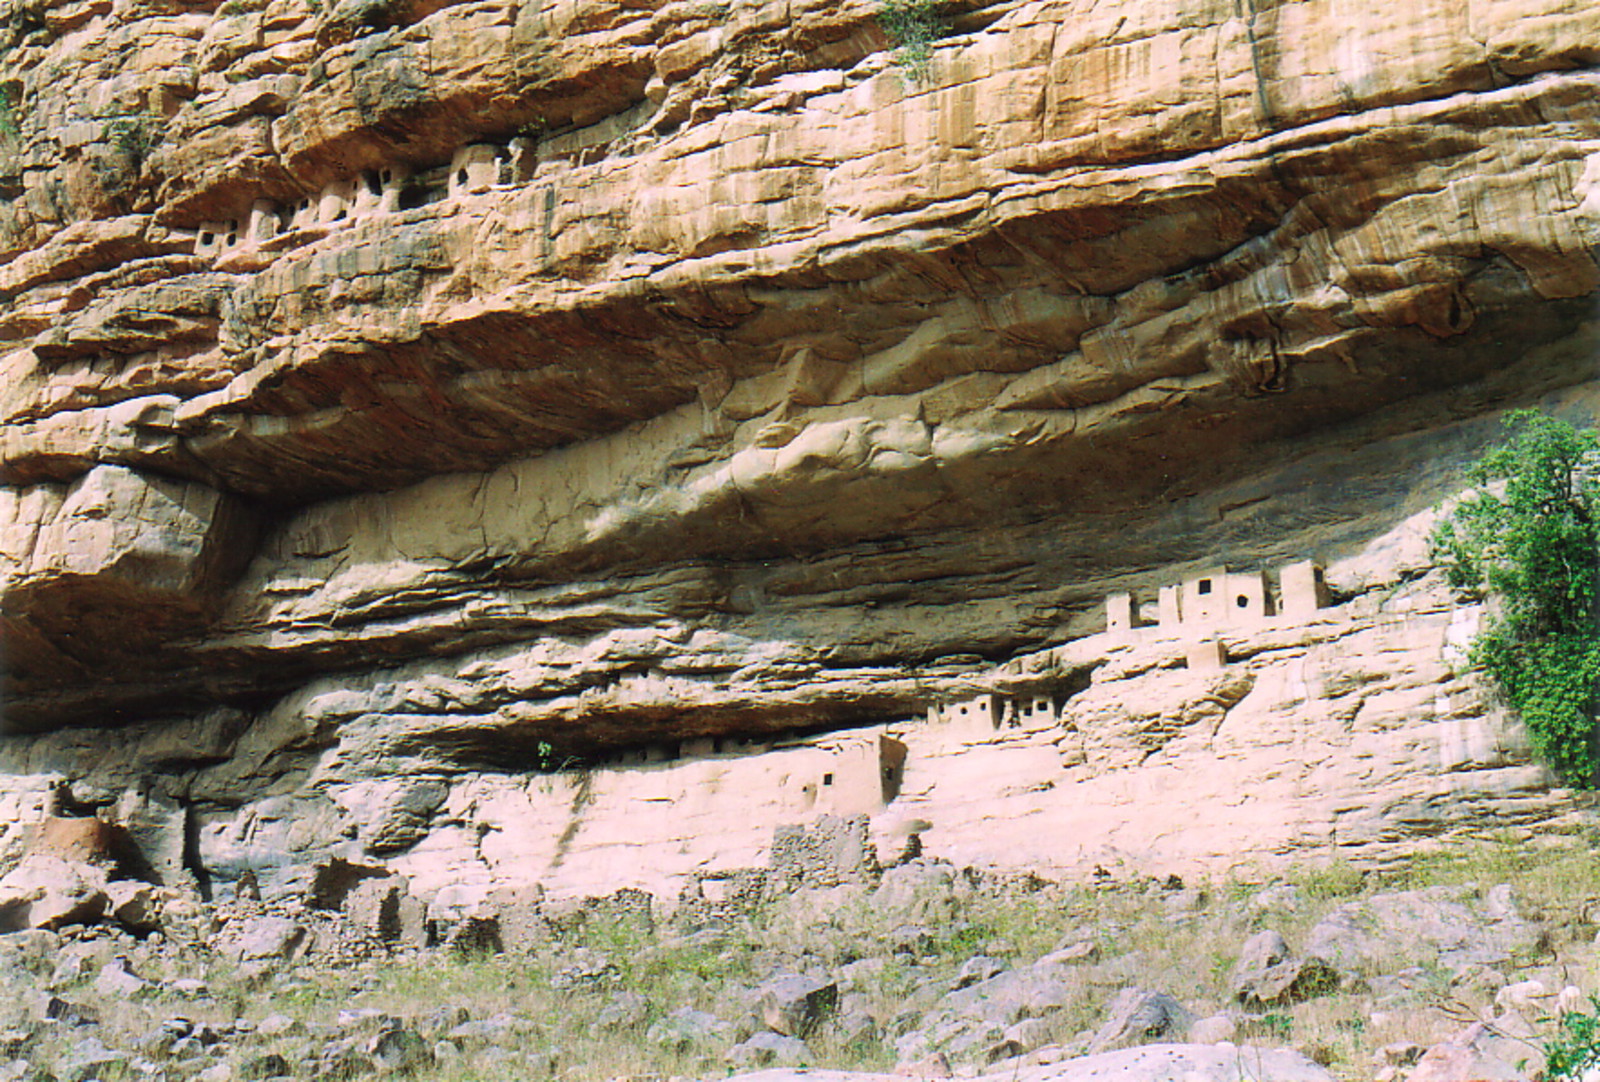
{"points": [[839, 311]]}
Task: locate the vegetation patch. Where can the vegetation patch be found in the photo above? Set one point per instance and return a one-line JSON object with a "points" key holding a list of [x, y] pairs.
{"points": [[1574, 1049], [1528, 535], [912, 27], [8, 113]]}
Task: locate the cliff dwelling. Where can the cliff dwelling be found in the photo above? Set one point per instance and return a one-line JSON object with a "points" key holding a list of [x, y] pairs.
{"points": [[1217, 598], [550, 449]]}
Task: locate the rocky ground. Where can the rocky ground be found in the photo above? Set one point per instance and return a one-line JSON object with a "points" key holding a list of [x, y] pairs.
{"points": [[1448, 972]]}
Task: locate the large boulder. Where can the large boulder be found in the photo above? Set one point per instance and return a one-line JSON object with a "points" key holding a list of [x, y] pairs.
{"points": [[1267, 975], [1025, 992], [1480, 1053], [1141, 1016], [136, 905], [1450, 925], [793, 1005], [924, 891], [770, 1048], [49, 892], [687, 1028], [264, 938]]}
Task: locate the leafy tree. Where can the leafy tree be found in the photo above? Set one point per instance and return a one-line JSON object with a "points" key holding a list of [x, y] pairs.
{"points": [[1530, 535]]}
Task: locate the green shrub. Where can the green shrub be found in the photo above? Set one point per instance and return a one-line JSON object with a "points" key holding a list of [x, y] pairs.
{"points": [[1575, 1048], [912, 28], [1530, 535], [8, 113]]}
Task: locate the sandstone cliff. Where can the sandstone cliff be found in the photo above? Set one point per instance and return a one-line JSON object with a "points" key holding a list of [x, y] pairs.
{"points": [[405, 399]]}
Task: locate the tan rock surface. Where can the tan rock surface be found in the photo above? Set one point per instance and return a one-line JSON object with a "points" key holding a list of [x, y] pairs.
{"points": [[409, 401]]}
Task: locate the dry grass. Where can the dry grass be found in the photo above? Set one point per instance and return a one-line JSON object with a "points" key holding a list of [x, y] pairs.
{"points": [[1184, 943]]}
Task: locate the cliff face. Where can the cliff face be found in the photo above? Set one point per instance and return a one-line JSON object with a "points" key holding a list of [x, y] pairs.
{"points": [[452, 392]]}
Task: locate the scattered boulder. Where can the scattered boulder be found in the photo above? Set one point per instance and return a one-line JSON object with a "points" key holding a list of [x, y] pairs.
{"points": [[117, 980], [1449, 925], [1266, 975], [626, 1010], [1078, 952], [494, 1032], [1398, 1054], [90, 1059], [49, 892], [584, 968], [978, 968], [770, 1049], [33, 951], [687, 1028], [854, 1026], [1479, 1053], [279, 1025], [959, 1039], [921, 892], [1281, 898], [1213, 1030], [1026, 1035], [400, 1050], [912, 939], [136, 905], [934, 1066], [794, 1005], [55, 1009], [1261, 951], [262, 938], [261, 1067], [1140, 1016]]}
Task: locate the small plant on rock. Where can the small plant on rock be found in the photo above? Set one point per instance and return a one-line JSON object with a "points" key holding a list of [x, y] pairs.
{"points": [[912, 27], [1530, 535], [8, 114]]}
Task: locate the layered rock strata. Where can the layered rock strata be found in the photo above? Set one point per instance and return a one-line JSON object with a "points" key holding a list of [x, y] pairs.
{"points": [[406, 398]]}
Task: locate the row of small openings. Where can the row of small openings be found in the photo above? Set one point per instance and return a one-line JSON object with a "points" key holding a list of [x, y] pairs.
{"points": [[1243, 601], [1029, 707], [424, 188], [672, 753], [231, 237]]}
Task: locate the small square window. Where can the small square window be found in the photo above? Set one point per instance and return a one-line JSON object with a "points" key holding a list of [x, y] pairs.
{"points": [[1205, 586]]}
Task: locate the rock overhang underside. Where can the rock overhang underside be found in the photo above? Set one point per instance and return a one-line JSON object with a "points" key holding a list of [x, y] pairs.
{"points": [[483, 388]]}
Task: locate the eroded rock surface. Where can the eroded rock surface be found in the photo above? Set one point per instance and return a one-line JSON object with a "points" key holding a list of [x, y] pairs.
{"points": [[421, 420]]}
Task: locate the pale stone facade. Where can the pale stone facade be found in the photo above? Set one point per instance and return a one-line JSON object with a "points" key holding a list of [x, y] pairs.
{"points": [[1216, 598]]}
